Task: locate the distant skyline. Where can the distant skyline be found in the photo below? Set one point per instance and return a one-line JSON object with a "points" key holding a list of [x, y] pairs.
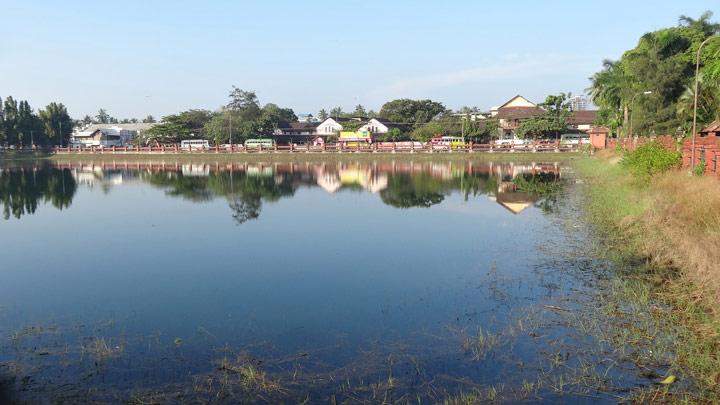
{"points": [[137, 58]]}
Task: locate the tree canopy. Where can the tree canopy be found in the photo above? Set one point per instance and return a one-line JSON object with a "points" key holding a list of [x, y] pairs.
{"points": [[649, 90]]}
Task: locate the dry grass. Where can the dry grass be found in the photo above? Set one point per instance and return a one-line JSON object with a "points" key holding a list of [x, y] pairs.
{"points": [[684, 229], [672, 223]]}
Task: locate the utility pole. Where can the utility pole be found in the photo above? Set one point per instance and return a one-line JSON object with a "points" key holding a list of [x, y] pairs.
{"points": [[230, 119], [695, 101], [60, 134], [32, 140]]}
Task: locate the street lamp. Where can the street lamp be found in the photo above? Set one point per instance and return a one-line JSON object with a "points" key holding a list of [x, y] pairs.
{"points": [[632, 101], [695, 101]]}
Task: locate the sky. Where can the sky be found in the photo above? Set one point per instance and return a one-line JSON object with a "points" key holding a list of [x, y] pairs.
{"points": [[135, 58]]}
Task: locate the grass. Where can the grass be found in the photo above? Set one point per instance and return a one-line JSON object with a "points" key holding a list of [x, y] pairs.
{"points": [[666, 232]]}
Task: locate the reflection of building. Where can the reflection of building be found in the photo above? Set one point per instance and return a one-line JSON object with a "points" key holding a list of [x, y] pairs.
{"points": [[95, 176], [195, 170], [331, 179], [515, 201]]}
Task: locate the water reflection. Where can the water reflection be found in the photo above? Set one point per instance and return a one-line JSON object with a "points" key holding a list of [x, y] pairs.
{"points": [[23, 189], [401, 184]]}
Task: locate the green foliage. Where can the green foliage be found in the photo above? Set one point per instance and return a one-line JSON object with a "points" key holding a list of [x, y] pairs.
{"points": [[662, 63], [540, 184], [393, 135], [188, 124], [552, 123], [57, 123], [699, 169], [650, 159], [427, 131], [408, 111], [323, 115]]}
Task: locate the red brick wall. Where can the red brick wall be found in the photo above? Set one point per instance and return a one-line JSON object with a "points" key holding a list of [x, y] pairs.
{"points": [[705, 146]]}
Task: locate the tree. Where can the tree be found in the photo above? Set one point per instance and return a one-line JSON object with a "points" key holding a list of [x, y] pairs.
{"points": [[323, 115], [552, 123], [360, 111], [87, 120], [103, 117], [28, 124], [245, 103], [411, 111], [336, 112], [702, 24], [648, 88], [10, 122], [148, 120], [2, 122], [57, 123], [188, 124]]}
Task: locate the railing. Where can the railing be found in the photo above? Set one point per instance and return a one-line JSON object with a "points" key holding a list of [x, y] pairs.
{"points": [[382, 147]]}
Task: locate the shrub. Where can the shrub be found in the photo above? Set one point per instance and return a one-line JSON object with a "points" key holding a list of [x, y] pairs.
{"points": [[650, 159]]}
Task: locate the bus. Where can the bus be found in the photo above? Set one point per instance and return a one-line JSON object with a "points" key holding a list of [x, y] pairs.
{"points": [[451, 141], [575, 139], [191, 144], [260, 143]]}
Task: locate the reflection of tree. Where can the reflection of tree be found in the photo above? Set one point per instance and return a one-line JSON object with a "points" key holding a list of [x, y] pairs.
{"points": [[23, 189], [244, 192], [420, 190], [244, 209]]}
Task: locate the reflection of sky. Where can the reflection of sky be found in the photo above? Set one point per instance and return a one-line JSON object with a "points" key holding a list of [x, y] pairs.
{"points": [[341, 270]]}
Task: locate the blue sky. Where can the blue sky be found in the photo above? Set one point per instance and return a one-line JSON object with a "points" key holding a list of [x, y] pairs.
{"points": [[158, 57]]}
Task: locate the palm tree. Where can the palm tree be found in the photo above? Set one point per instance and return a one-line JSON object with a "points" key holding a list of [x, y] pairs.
{"points": [[702, 24], [611, 90]]}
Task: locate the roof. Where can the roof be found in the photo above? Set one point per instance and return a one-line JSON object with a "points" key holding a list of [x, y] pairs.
{"points": [[515, 98], [519, 112], [582, 117], [713, 127], [139, 126]]}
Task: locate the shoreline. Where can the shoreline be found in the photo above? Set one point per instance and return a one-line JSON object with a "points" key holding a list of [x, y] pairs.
{"points": [[665, 254], [296, 157]]}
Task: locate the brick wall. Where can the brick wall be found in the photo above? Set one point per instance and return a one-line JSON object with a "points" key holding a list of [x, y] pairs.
{"points": [[707, 147]]}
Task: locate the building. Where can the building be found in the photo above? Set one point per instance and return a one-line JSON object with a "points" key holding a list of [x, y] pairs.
{"points": [[98, 137], [380, 126], [307, 118], [582, 120], [112, 134], [513, 112], [578, 103], [296, 132], [331, 126]]}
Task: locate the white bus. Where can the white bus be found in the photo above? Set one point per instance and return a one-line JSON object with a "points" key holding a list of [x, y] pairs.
{"points": [[258, 143], [191, 144]]}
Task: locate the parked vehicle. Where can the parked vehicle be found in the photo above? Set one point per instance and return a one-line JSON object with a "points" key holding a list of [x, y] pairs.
{"points": [[574, 139], [451, 141], [510, 141], [191, 144], [259, 143]]}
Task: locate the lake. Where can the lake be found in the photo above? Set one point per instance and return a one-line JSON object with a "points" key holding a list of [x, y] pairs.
{"points": [[347, 281]]}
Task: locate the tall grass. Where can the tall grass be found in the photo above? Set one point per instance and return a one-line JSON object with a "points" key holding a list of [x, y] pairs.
{"points": [[668, 225]]}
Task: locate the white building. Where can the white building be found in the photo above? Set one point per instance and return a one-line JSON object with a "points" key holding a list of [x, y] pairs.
{"points": [[329, 127], [107, 134]]}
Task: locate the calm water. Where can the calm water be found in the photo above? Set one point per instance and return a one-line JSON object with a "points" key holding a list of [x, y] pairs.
{"points": [[401, 280]]}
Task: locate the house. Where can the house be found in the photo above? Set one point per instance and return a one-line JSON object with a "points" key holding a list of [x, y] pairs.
{"points": [[125, 132], [98, 137], [380, 126], [331, 126], [582, 120], [513, 112], [295, 132]]}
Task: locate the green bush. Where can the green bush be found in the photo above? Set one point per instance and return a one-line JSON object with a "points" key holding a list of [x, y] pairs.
{"points": [[650, 159]]}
